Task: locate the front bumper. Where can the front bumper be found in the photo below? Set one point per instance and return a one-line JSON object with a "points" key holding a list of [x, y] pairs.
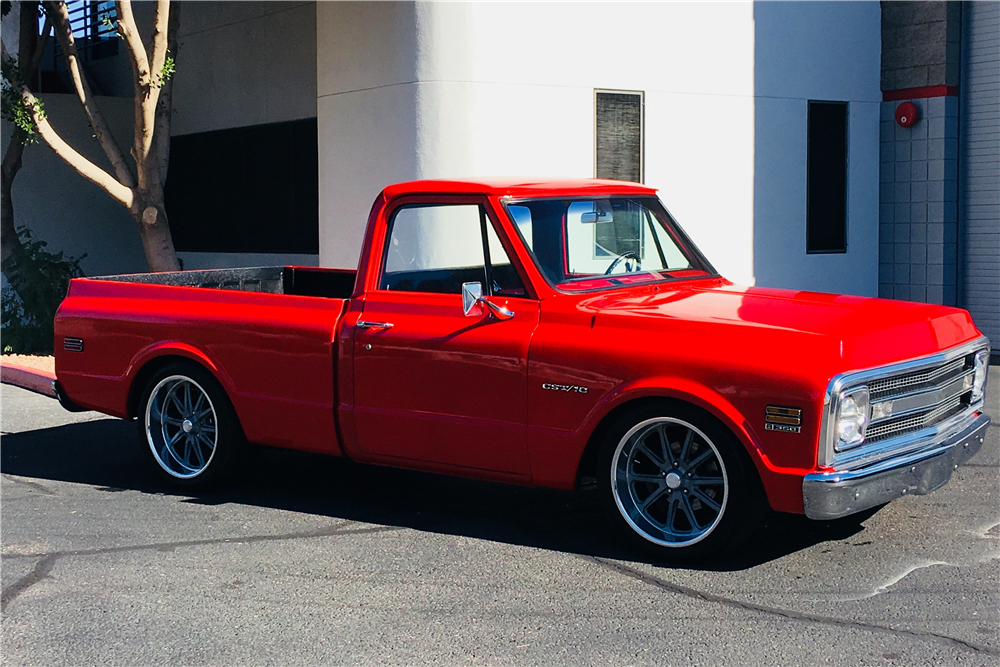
{"points": [[831, 495]]}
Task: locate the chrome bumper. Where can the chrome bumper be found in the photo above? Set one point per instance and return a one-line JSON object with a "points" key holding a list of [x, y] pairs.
{"points": [[832, 495], [64, 399]]}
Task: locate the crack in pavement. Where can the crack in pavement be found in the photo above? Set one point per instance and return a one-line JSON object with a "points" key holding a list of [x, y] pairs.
{"points": [[48, 560], [782, 613], [889, 583], [39, 572], [33, 485]]}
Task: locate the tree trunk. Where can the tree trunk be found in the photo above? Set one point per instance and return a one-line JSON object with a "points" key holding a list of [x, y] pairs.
{"points": [[29, 54], [18, 276], [11, 165], [151, 217]]}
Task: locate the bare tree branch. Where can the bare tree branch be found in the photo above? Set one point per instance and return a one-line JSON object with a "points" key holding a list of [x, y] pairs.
{"points": [[87, 169], [58, 12], [160, 36], [164, 106], [144, 135], [130, 33], [28, 27], [31, 49], [36, 58]]}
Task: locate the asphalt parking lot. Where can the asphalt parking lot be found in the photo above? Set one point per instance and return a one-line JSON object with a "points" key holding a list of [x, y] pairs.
{"points": [[312, 560]]}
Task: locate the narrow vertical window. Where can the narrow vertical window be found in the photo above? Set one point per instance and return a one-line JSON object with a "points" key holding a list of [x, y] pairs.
{"points": [[619, 136], [826, 208]]}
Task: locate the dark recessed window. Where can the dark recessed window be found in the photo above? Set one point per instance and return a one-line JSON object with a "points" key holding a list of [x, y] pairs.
{"points": [[246, 189], [619, 136], [826, 208]]}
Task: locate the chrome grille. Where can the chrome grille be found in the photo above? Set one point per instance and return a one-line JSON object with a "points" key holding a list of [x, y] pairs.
{"points": [[928, 396], [902, 384], [890, 428], [73, 344]]}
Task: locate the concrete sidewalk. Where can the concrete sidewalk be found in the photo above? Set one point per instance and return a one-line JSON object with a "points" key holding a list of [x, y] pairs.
{"points": [[36, 377]]}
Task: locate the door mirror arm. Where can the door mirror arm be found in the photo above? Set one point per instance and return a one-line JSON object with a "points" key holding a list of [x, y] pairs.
{"points": [[472, 295]]}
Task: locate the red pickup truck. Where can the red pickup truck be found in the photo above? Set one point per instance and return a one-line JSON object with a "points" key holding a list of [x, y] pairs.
{"points": [[540, 333]]}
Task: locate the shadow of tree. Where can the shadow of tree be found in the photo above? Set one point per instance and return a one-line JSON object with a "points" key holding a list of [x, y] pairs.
{"points": [[106, 454]]}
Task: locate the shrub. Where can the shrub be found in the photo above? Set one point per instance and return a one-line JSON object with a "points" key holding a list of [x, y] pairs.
{"points": [[27, 315]]}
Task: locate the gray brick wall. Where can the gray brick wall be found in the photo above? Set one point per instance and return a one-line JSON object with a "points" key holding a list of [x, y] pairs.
{"points": [[918, 211], [918, 189], [921, 44]]}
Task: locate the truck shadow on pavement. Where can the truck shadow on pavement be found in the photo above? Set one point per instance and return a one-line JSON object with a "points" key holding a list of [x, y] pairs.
{"points": [[106, 454]]}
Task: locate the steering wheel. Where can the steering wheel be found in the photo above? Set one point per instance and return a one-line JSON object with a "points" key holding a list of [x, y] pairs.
{"points": [[628, 254]]}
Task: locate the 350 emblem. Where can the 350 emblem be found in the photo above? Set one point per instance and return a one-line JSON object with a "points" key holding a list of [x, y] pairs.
{"points": [[564, 387]]}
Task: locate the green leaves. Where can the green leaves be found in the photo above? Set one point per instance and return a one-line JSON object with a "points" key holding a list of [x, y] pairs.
{"points": [[111, 25], [165, 72], [27, 316], [13, 107]]}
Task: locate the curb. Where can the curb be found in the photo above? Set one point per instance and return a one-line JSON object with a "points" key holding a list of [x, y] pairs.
{"points": [[31, 379]]}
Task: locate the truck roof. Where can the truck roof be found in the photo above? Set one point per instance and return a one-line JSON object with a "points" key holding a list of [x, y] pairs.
{"points": [[524, 187]]}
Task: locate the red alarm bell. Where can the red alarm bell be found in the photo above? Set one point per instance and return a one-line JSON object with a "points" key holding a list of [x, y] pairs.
{"points": [[906, 114]]}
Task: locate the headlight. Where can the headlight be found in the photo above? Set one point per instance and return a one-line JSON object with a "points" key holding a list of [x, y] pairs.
{"points": [[852, 418], [979, 379]]}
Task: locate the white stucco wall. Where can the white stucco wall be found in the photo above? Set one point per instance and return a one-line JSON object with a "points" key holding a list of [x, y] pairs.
{"points": [[828, 51], [244, 63], [439, 90], [469, 90], [241, 64]]}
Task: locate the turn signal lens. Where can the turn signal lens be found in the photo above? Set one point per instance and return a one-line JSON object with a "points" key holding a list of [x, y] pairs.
{"points": [[979, 379], [881, 410], [852, 418]]}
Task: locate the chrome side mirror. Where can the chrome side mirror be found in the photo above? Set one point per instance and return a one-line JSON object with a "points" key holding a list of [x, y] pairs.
{"points": [[472, 295]]}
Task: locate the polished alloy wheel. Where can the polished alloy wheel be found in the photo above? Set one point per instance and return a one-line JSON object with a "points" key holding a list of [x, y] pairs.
{"points": [[669, 482], [181, 426]]}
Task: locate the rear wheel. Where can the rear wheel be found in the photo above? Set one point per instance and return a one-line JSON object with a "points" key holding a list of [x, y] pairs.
{"points": [[188, 425], [677, 482]]}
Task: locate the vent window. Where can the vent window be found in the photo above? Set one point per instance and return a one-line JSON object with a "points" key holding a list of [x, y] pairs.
{"points": [[619, 141]]}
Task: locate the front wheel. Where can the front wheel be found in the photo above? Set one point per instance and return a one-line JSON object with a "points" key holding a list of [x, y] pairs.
{"points": [[188, 425], [678, 482]]}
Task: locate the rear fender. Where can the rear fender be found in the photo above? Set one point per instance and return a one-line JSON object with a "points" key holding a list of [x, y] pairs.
{"points": [[173, 348]]}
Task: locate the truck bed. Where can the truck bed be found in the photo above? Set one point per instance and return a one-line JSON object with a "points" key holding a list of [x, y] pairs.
{"points": [[296, 280], [269, 334]]}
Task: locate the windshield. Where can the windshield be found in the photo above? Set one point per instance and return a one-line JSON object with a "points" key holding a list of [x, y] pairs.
{"points": [[583, 244]]}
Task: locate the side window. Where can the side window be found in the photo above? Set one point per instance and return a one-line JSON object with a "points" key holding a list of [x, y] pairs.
{"points": [[434, 249], [505, 281]]}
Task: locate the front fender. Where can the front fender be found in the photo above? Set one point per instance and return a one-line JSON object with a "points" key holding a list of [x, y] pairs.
{"points": [[554, 453]]}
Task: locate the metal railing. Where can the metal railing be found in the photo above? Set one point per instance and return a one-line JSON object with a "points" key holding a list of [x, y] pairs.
{"points": [[95, 31]]}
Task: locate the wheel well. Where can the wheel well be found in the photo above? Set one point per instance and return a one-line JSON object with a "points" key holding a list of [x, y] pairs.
{"points": [[591, 453], [147, 371]]}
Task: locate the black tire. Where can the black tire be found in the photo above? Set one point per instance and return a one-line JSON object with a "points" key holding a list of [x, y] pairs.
{"points": [[675, 518], [193, 441]]}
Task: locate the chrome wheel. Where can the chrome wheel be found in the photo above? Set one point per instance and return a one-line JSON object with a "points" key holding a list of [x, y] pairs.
{"points": [[669, 482], [181, 427]]}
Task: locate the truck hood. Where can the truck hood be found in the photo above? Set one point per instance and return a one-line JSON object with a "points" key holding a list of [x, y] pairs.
{"points": [[853, 332]]}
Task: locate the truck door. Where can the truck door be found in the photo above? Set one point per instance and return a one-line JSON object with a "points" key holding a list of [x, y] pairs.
{"points": [[432, 383]]}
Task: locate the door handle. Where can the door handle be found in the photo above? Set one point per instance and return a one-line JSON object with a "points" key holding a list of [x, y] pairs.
{"points": [[362, 324]]}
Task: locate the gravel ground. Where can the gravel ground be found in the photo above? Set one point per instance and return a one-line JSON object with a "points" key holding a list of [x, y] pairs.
{"points": [[39, 362]]}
